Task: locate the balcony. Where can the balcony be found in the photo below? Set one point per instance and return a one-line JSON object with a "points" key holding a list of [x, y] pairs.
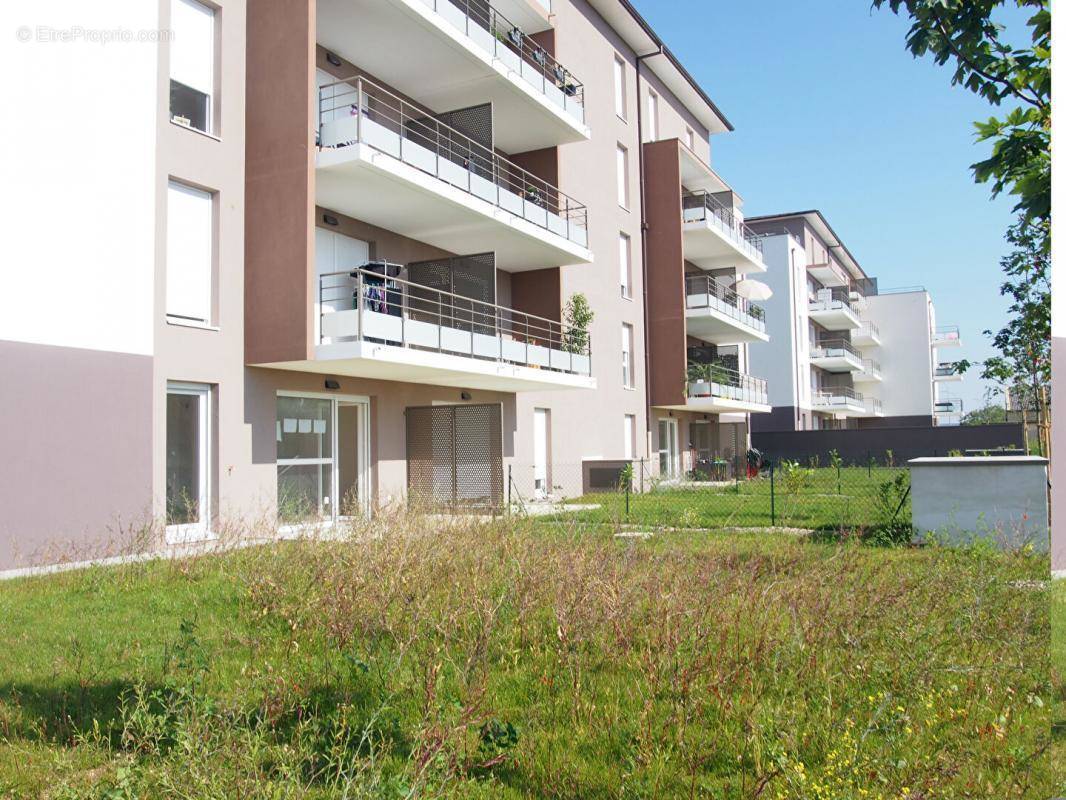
{"points": [[870, 372], [948, 412], [717, 314], [718, 389], [384, 161], [841, 401], [715, 236], [947, 371], [371, 326], [829, 273], [457, 54], [836, 355], [947, 336], [866, 335], [831, 308]]}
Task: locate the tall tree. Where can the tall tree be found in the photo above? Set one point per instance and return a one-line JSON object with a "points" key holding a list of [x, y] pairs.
{"points": [[964, 33], [1023, 367]]}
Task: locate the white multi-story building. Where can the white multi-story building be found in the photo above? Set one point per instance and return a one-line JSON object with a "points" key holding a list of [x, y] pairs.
{"points": [[843, 354]]}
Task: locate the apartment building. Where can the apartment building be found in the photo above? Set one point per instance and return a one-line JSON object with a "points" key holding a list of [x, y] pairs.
{"points": [[843, 353], [322, 260]]}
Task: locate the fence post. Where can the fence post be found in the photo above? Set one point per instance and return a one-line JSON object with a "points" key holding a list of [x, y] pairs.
{"points": [[869, 464], [509, 488], [629, 483], [773, 507]]}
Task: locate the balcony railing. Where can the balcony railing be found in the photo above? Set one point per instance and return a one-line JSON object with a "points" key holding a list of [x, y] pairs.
{"points": [[946, 334], [720, 381], [835, 348], [363, 305], [357, 111], [703, 206], [871, 368], [867, 330], [703, 291], [945, 369], [837, 396], [948, 406], [830, 299], [511, 45], [873, 405]]}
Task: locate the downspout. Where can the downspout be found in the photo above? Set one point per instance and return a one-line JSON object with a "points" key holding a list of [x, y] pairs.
{"points": [[644, 254], [794, 313]]}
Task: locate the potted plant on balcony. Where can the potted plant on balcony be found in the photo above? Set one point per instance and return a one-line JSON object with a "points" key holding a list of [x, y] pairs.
{"points": [[699, 383], [578, 315]]}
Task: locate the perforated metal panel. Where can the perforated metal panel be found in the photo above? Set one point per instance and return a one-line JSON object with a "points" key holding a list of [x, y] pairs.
{"points": [[472, 277], [455, 456]]}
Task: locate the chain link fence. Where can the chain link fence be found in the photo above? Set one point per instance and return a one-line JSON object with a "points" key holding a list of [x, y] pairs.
{"points": [[822, 494]]}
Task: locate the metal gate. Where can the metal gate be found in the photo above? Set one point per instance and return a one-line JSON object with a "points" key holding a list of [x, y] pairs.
{"points": [[455, 456]]}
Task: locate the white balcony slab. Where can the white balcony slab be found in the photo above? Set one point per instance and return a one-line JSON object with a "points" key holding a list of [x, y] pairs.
{"points": [[828, 274], [715, 404], [837, 361], [431, 50], [865, 336], [840, 404], [711, 244], [833, 315], [946, 340], [398, 185], [713, 320], [954, 377], [867, 375]]}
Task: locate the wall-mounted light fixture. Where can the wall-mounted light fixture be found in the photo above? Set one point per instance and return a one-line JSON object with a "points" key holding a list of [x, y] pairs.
{"points": [[329, 219], [332, 384], [333, 59], [464, 396]]}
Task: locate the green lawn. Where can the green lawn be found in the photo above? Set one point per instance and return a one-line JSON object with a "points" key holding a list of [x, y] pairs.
{"points": [[499, 661], [818, 498], [1058, 674]]}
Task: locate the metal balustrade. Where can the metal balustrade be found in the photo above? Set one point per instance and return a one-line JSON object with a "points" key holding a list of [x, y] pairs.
{"points": [[358, 111], [703, 291], [833, 348], [871, 368], [702, 206], [867, 329], [719, 381], [839, 396], [363, 305], [946, 369], [946, 334]]}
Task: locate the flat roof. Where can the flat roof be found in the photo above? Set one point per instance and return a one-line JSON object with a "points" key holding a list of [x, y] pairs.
{"points": [[638, 34], [817, 220]]}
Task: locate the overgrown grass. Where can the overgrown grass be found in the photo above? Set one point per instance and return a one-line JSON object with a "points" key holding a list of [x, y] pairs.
{"points": [[822, 498], [493, 660]]}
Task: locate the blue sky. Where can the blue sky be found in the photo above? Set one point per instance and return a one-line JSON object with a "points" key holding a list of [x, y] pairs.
{"points": [[832, 112]]}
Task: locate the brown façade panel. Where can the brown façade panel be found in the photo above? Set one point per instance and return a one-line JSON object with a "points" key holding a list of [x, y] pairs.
{"points": [[665, 287], [279, 181]]}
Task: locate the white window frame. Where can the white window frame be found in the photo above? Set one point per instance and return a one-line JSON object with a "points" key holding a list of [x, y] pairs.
{"points": [[211, 89], [670, 447], [622, 168], [620, 104], [173, 314], [627, 356], [653, 116], [363, 456], [629, 432], [201, 529], [625, 264], [690, 138]]}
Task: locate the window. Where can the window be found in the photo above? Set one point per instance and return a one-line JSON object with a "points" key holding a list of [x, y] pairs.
{"points": [[192, 65], [629, 434], [190, 253], [623, 176], [619, 87], [668, 451], [188, 465], [690, 138], [627, 355], [653, 116], [625, 265], [323, 454]]}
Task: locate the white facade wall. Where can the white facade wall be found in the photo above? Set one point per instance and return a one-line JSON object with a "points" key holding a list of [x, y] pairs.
{"points": [[91, 287], [905, 354]]}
